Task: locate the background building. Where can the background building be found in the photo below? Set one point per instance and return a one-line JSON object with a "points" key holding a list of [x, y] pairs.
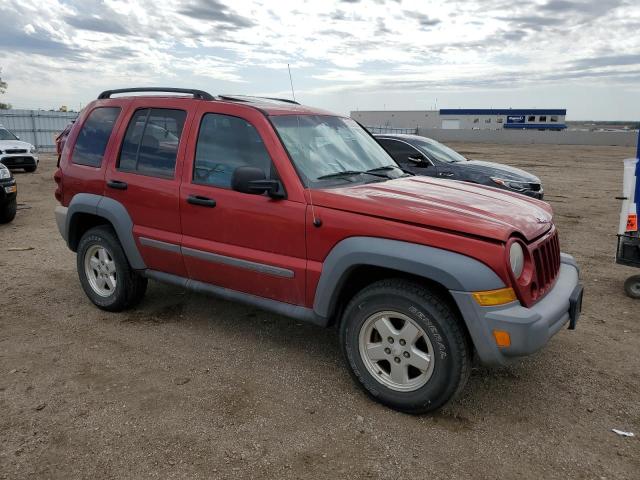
{"points": [[465, 119]]}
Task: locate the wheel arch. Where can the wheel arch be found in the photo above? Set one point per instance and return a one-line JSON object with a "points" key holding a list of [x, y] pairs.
{"points": [[87, 211], [358, 261]]}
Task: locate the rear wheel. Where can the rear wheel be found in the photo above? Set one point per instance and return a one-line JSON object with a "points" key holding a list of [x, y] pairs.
{"points": [[105, 273], [405, 346], [632, 286], [30, 169], [8, 210]]}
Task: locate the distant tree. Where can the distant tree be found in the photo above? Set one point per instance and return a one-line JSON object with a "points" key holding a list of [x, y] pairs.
{"points": [[3, 88], [3, 84]]}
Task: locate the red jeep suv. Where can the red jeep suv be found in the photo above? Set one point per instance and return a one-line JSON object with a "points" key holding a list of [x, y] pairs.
{"points": [[301, 212]]}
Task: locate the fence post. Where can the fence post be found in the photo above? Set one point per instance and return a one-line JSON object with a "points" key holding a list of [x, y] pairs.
{"points": [[35, 133]]}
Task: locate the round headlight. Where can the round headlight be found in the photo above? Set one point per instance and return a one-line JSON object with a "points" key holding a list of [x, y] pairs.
{"points": [[516, 259]]}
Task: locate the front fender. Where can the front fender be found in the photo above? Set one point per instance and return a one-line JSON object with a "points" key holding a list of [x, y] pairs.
{"points": [[452, 270]]}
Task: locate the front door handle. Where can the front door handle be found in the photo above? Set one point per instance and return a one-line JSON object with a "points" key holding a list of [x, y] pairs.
{"points": [[117, 184], [202, 201], [446, 174]]}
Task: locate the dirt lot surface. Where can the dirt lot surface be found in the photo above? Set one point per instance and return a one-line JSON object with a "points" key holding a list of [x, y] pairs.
{"points": [[187, 386]]}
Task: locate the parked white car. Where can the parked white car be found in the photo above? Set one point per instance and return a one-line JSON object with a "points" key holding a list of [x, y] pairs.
{"points": [[15, 153]]}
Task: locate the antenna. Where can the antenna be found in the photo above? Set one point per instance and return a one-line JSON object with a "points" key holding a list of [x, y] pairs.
{"points": [[316, 221], [293, 94]]}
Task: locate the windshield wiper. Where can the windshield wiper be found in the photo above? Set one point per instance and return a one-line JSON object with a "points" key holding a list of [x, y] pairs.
{"points": [[347, 173], [390, 167]]}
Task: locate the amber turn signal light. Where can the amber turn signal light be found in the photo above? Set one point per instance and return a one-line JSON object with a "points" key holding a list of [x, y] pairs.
{"points": [[503, 339], [490, 298]]}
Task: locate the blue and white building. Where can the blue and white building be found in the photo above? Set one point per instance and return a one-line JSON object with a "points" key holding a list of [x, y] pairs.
{"points": [[496, 119], [466, 119]]}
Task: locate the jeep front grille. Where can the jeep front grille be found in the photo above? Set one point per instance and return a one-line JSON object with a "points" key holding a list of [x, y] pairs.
{"points": [[546, 257]]}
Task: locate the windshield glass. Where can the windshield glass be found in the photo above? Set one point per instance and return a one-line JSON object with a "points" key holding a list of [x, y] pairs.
{"points": [[322, 145], [6, 135], [438, 151]]}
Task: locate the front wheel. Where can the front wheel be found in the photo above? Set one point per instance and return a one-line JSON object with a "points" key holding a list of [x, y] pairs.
{"points": [[405, 346], [8, 210], [632, 286], [105, 274], [31, 169]]}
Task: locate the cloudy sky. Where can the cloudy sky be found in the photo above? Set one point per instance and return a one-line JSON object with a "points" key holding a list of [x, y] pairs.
{"points": [[344, 55]]}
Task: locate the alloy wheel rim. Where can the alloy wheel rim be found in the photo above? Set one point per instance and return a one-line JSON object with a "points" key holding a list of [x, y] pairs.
{"points": [[396, 351], [100, 270]]}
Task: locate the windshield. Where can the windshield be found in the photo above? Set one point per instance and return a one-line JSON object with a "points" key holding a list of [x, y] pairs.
{"points": [[438, 151], [6, 135], [323, 146]]}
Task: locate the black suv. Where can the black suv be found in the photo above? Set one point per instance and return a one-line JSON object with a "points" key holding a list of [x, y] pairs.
{"points": [[8, 195], [424, 156]]}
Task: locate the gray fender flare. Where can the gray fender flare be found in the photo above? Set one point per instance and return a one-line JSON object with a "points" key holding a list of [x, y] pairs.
{"points": [[452, 270], [116, 214]]}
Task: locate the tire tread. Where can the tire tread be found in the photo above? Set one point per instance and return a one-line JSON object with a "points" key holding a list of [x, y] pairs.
{"points": [[402, 287]]}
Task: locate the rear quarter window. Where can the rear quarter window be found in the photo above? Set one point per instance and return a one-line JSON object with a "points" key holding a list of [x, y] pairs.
{"points": [[94, 136]]}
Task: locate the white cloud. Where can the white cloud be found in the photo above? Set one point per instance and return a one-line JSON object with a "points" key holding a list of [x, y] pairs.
{"points": [[56, 51]]}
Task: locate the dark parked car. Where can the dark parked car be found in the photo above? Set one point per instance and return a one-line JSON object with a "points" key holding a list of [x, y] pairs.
{"points": [[424, 156], [8, 194]]}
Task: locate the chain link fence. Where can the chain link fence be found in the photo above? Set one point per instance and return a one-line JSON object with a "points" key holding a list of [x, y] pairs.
{"points": [[390, 130]]}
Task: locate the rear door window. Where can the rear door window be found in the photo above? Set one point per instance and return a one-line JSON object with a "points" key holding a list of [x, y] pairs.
{"points": [[94, 136], [150, 146]]}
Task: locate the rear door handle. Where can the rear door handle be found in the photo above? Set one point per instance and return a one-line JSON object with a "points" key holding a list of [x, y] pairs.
{"points": [[117, 184], [446, 174], [202, 201]]}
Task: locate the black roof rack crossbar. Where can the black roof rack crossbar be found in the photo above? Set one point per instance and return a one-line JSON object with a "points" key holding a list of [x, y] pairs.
{"points": [[199, 94], [247, 98]]}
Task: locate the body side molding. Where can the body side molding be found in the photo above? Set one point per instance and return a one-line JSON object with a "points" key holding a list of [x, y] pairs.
{"points": [[452, 270], [298, 312]]}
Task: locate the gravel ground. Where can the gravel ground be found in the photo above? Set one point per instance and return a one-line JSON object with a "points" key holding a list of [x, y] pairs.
{"points": [[187, 386]]}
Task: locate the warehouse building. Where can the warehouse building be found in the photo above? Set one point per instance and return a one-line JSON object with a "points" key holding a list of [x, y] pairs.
{"points": [[465, 119]]}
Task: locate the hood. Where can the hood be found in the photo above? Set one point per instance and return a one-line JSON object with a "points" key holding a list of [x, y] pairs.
{"points": [[10, 144], [444, 204], [493, 169]]}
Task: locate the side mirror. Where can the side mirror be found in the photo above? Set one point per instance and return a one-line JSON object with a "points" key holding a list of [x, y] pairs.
{"points": [[253, 180], [17, 137], [419, 159]]}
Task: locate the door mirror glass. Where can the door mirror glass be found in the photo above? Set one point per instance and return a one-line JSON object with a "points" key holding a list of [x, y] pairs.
{"points": [[254, 181]]}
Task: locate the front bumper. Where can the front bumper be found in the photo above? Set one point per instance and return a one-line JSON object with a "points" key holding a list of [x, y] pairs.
{"points": [[529, 328], [19, 160], [534, 194]]}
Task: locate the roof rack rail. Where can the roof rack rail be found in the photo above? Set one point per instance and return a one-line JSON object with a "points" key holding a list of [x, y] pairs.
{"points": [[199, 94], [247, 98]]}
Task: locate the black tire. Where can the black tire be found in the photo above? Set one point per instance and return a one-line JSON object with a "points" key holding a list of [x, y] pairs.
{"points": [[632, 286], [130, 286], [30, 169], [452, 348], [8, 210]]}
